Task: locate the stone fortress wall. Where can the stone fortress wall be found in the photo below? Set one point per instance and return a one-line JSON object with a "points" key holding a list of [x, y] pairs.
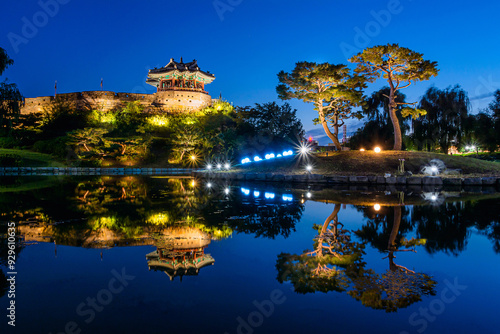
{"points": [[172, 100]]}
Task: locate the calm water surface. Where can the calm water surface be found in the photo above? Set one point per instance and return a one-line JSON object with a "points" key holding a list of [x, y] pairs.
{"points": [[159, 255]]}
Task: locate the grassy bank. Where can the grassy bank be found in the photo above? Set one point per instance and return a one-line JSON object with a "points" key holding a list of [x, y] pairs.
{"points": [[33, 159], [370, 163]]}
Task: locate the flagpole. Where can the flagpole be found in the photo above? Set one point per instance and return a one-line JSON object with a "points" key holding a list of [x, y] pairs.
{"points": [[101, 84], [55, 89]]}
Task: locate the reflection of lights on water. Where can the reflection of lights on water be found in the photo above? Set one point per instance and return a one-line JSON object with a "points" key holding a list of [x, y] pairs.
{"points": [[377, 149], [308, 195], [376, 207], [269, 195], [256, 193], [287, 198], [245, 191], [309, 168], [434, 198]]}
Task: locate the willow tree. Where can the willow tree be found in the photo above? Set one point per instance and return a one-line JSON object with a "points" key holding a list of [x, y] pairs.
{"points": [[332, 89], [400, 67]]}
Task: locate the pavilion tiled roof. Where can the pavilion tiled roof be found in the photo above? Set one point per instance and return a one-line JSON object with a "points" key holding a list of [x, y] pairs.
{"points": [[181, 67]]}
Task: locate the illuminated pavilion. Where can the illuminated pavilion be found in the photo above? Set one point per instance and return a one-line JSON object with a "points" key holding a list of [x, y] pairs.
{"points": [[179, 76]]}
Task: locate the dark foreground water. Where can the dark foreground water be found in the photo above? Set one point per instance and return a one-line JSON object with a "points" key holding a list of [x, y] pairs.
{"points": [[157, 255]]}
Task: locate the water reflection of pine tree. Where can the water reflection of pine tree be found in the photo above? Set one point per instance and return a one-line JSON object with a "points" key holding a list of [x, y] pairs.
{"points": [[336, 264], [399, 286]]}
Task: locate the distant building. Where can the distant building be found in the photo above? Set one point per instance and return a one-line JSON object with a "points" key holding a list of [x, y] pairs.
{"points": [[180, 87]]}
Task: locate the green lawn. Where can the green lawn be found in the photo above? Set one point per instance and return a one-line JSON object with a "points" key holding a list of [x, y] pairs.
{"points": [[33, 159]]}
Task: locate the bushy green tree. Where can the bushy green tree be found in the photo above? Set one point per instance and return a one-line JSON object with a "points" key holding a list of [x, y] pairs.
{"points": [[5, 60], [60, 118], [10, 97], [443, 123], [495, 112], [278, 124]]}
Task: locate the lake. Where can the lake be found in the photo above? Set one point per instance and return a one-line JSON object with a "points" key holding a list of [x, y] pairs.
{"points": [[178, 255]]}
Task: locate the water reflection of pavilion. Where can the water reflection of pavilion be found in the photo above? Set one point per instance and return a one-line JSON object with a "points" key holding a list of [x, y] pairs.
{"points": [[180, 251]]}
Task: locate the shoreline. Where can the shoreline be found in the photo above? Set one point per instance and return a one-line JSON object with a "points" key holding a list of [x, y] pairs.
{"points": [[462, 180], [490, 181]]}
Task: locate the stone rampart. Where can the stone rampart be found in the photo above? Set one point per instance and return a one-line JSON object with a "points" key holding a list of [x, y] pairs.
{"points": [[175, 100]]}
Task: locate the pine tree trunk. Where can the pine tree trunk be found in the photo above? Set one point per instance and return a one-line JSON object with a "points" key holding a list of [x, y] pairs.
{"points": [[398, 139], [332, 136], [392, 238]]}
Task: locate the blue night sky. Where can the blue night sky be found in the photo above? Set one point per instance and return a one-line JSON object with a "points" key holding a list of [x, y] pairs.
{"points": [[245, 44]]}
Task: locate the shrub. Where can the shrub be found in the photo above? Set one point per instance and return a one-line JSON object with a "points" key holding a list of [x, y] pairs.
{"points": [[10, 160], [56, 146]]}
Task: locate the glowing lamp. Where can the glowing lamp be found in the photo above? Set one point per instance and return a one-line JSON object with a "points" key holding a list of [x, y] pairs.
{"points": [[376, 207], [362, 150], [269, 195], [377, 149], [309, 168]]}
